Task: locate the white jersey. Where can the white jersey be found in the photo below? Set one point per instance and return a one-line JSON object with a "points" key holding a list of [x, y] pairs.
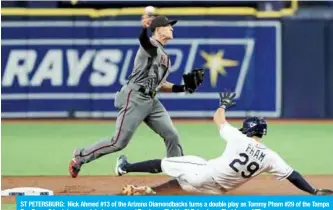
{"points": [[243, 159]]}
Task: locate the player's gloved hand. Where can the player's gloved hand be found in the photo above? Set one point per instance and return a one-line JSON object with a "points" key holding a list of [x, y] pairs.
{"points": [[323, 192], [226, 99], [193, 80]]}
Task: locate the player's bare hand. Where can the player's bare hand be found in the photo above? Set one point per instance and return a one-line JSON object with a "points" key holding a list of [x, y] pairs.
{"points": [[226, 99], [146, 20]]}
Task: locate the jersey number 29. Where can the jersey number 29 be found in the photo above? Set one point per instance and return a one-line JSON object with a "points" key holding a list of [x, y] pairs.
{"points": [[251, 168]]}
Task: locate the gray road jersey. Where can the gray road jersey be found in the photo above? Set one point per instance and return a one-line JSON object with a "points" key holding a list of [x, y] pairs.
{"points": [[148, 71]]}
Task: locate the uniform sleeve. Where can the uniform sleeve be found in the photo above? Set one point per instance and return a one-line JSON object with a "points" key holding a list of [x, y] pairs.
{"points": [[230, 133], [279, 168], [145, 42]]}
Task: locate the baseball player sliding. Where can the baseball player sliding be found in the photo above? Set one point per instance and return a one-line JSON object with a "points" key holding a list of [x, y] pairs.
{"points": [[136, 100], [244, 158]]}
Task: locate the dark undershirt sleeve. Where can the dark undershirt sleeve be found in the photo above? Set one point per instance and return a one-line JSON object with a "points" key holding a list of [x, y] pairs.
{"points": [[146, 44], [297, 180]]}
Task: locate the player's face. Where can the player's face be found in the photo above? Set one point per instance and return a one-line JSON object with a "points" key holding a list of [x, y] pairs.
{"points": [[167, 32]]}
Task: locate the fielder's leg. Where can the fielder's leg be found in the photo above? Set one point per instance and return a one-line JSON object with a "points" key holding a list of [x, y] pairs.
{"points": [[133, 109], [160, 122]]}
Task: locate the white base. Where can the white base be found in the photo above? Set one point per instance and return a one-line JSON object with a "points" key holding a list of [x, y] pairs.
{"points": [[26, 191]]}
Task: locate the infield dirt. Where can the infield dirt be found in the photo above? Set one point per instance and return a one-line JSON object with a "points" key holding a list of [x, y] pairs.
{"points": [[110, 185]]}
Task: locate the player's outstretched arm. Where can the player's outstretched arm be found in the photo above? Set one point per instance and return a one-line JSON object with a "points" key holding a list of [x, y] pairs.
{"points": [[219, 117], [281, 170], [297, 180]]}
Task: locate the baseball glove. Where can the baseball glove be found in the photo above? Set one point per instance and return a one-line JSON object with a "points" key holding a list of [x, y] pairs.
{"points": [[193, 80], [137, 190], [323, 192]]}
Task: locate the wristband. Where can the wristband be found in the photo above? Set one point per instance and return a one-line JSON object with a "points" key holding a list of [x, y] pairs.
{"points": [[178, 88], [223, 107]]}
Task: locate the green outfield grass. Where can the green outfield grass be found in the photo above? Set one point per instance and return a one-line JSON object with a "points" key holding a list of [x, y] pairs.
{"points": [[8, 206], [45, 148]]}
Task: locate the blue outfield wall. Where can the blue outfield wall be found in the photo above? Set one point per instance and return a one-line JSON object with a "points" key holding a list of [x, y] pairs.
{"points": [[329, 70], [307, 68], [277, 68]]}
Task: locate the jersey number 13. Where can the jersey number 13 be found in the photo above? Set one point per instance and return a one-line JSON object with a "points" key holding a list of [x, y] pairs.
{"points": [[251, 167]]}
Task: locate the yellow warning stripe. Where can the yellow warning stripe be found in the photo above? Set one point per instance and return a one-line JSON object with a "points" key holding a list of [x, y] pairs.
{"points": [[181, 11]]}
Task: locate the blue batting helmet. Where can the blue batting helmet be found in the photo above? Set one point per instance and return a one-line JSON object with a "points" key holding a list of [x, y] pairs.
{"points": [[254, 126]]}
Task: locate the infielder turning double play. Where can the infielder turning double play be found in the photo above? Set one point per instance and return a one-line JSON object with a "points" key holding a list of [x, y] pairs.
{"points": [[136, 101], [244, 157]]}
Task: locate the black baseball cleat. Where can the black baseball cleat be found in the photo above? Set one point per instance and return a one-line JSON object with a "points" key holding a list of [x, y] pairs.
{"points": [[121, 162]]}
